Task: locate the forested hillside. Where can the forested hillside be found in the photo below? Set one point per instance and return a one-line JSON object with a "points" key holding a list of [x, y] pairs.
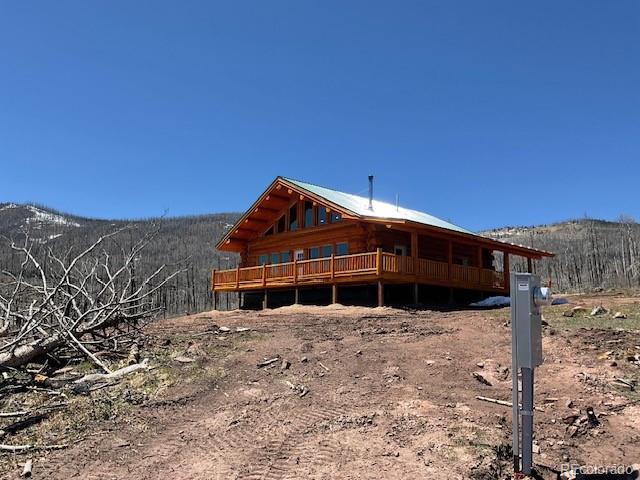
{"points": [[181, 243], [590, 254]]}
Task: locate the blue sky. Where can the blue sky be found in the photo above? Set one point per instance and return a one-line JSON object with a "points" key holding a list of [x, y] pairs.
{"points": [[484, 113]]}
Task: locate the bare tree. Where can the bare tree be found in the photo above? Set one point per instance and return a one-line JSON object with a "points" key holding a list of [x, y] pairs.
{"points": [[88, 301]]}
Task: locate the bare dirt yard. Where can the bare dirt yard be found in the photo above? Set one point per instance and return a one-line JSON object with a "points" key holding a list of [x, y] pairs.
{"points": [[350, 393]]}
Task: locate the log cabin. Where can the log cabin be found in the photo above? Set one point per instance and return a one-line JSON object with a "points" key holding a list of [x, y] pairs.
{"points": [[302, 243]]}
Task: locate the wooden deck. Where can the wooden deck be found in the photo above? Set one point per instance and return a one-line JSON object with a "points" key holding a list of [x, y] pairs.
{"points": [[358, 268]]}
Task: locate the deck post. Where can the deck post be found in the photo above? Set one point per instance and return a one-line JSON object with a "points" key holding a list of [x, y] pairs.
{"points": [[451, 299], [416, 293], [334, 293], [264, 274], [378, 261], [333, 267], [265, 300], [505, 268], [213, 280], [296, 296], [414, 251], [449, 259], [295, 272], [215, 300], [238, 276], [529, 265], [380, 293]]}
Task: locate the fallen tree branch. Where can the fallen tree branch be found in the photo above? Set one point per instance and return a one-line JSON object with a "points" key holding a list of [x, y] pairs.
{"points": [[28, 447], [98, 377]]}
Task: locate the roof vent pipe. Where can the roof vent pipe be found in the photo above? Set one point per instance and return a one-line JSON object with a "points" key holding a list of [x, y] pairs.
{"points": [[370, 192]]}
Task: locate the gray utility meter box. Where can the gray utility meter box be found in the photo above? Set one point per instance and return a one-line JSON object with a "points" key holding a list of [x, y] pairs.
{"points": [[527, 296]]}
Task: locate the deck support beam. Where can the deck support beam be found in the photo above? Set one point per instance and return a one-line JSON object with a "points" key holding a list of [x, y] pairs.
{"points": [[334, 293], [416, 293], [215, 300], [505, 268], [380, 294], [265, 299], [296, 296], [451, 298]]}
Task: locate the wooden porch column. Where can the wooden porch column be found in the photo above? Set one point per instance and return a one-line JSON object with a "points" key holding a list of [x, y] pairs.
{"points": [[264, 274], [238, 276], [529, 265], [295, 273], [415, 293], [505, 268], [296, 296], [334, 293], [414, 251], [333, 266], [265, 300], [378, 261], [380, 294], [215, 300], [213, 280], [449, 259]]}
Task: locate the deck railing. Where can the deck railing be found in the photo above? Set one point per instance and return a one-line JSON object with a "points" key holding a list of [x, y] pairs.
{"points": [[376, 264]]}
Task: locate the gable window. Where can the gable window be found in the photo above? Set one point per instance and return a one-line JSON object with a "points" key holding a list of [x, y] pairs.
{"points": [[262, 259], [321, 216], [335, 217], [293, 217], [342, 248], [282, 224], [327, 250], [314, 252], [308, 214]]}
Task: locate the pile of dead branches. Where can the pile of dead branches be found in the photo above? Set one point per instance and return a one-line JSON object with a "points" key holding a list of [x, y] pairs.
{"points": [[88, 304]]}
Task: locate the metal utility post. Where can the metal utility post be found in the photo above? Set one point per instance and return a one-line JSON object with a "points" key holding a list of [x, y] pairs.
{"points": [[527, 296]]}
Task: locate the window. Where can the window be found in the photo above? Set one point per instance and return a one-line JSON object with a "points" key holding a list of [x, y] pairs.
{"points": [[342, 248], [270, 231], [327, 250], [298, 254], [308, 214], [284, 257], [282, 224], [275, 258], [314, 252], [335, 217], [293, 217], [321, 216], [262, 259]]}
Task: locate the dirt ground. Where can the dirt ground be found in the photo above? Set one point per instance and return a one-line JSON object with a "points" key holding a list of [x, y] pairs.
{"points": [[388, 394]]}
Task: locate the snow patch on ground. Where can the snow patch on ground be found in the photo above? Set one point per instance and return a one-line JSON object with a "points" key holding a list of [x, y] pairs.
{"points": [[493, 302], [40, 216]]}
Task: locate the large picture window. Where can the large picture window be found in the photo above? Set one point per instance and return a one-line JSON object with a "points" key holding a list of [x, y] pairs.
{"points": [[321, 216], [308, 214], [293, 217]]}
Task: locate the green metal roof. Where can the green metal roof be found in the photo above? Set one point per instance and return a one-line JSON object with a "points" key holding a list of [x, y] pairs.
{"points": [[381, 210]]}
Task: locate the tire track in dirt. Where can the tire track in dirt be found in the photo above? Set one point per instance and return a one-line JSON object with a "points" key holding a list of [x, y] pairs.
{"points": [[279, 448]]}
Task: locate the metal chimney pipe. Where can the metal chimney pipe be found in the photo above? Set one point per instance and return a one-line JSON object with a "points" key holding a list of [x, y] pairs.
{"points": [[370, 192]]}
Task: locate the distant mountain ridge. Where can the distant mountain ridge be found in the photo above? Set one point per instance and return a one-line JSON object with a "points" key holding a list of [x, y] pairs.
{"points": [[179, 238], [590, 253]]}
